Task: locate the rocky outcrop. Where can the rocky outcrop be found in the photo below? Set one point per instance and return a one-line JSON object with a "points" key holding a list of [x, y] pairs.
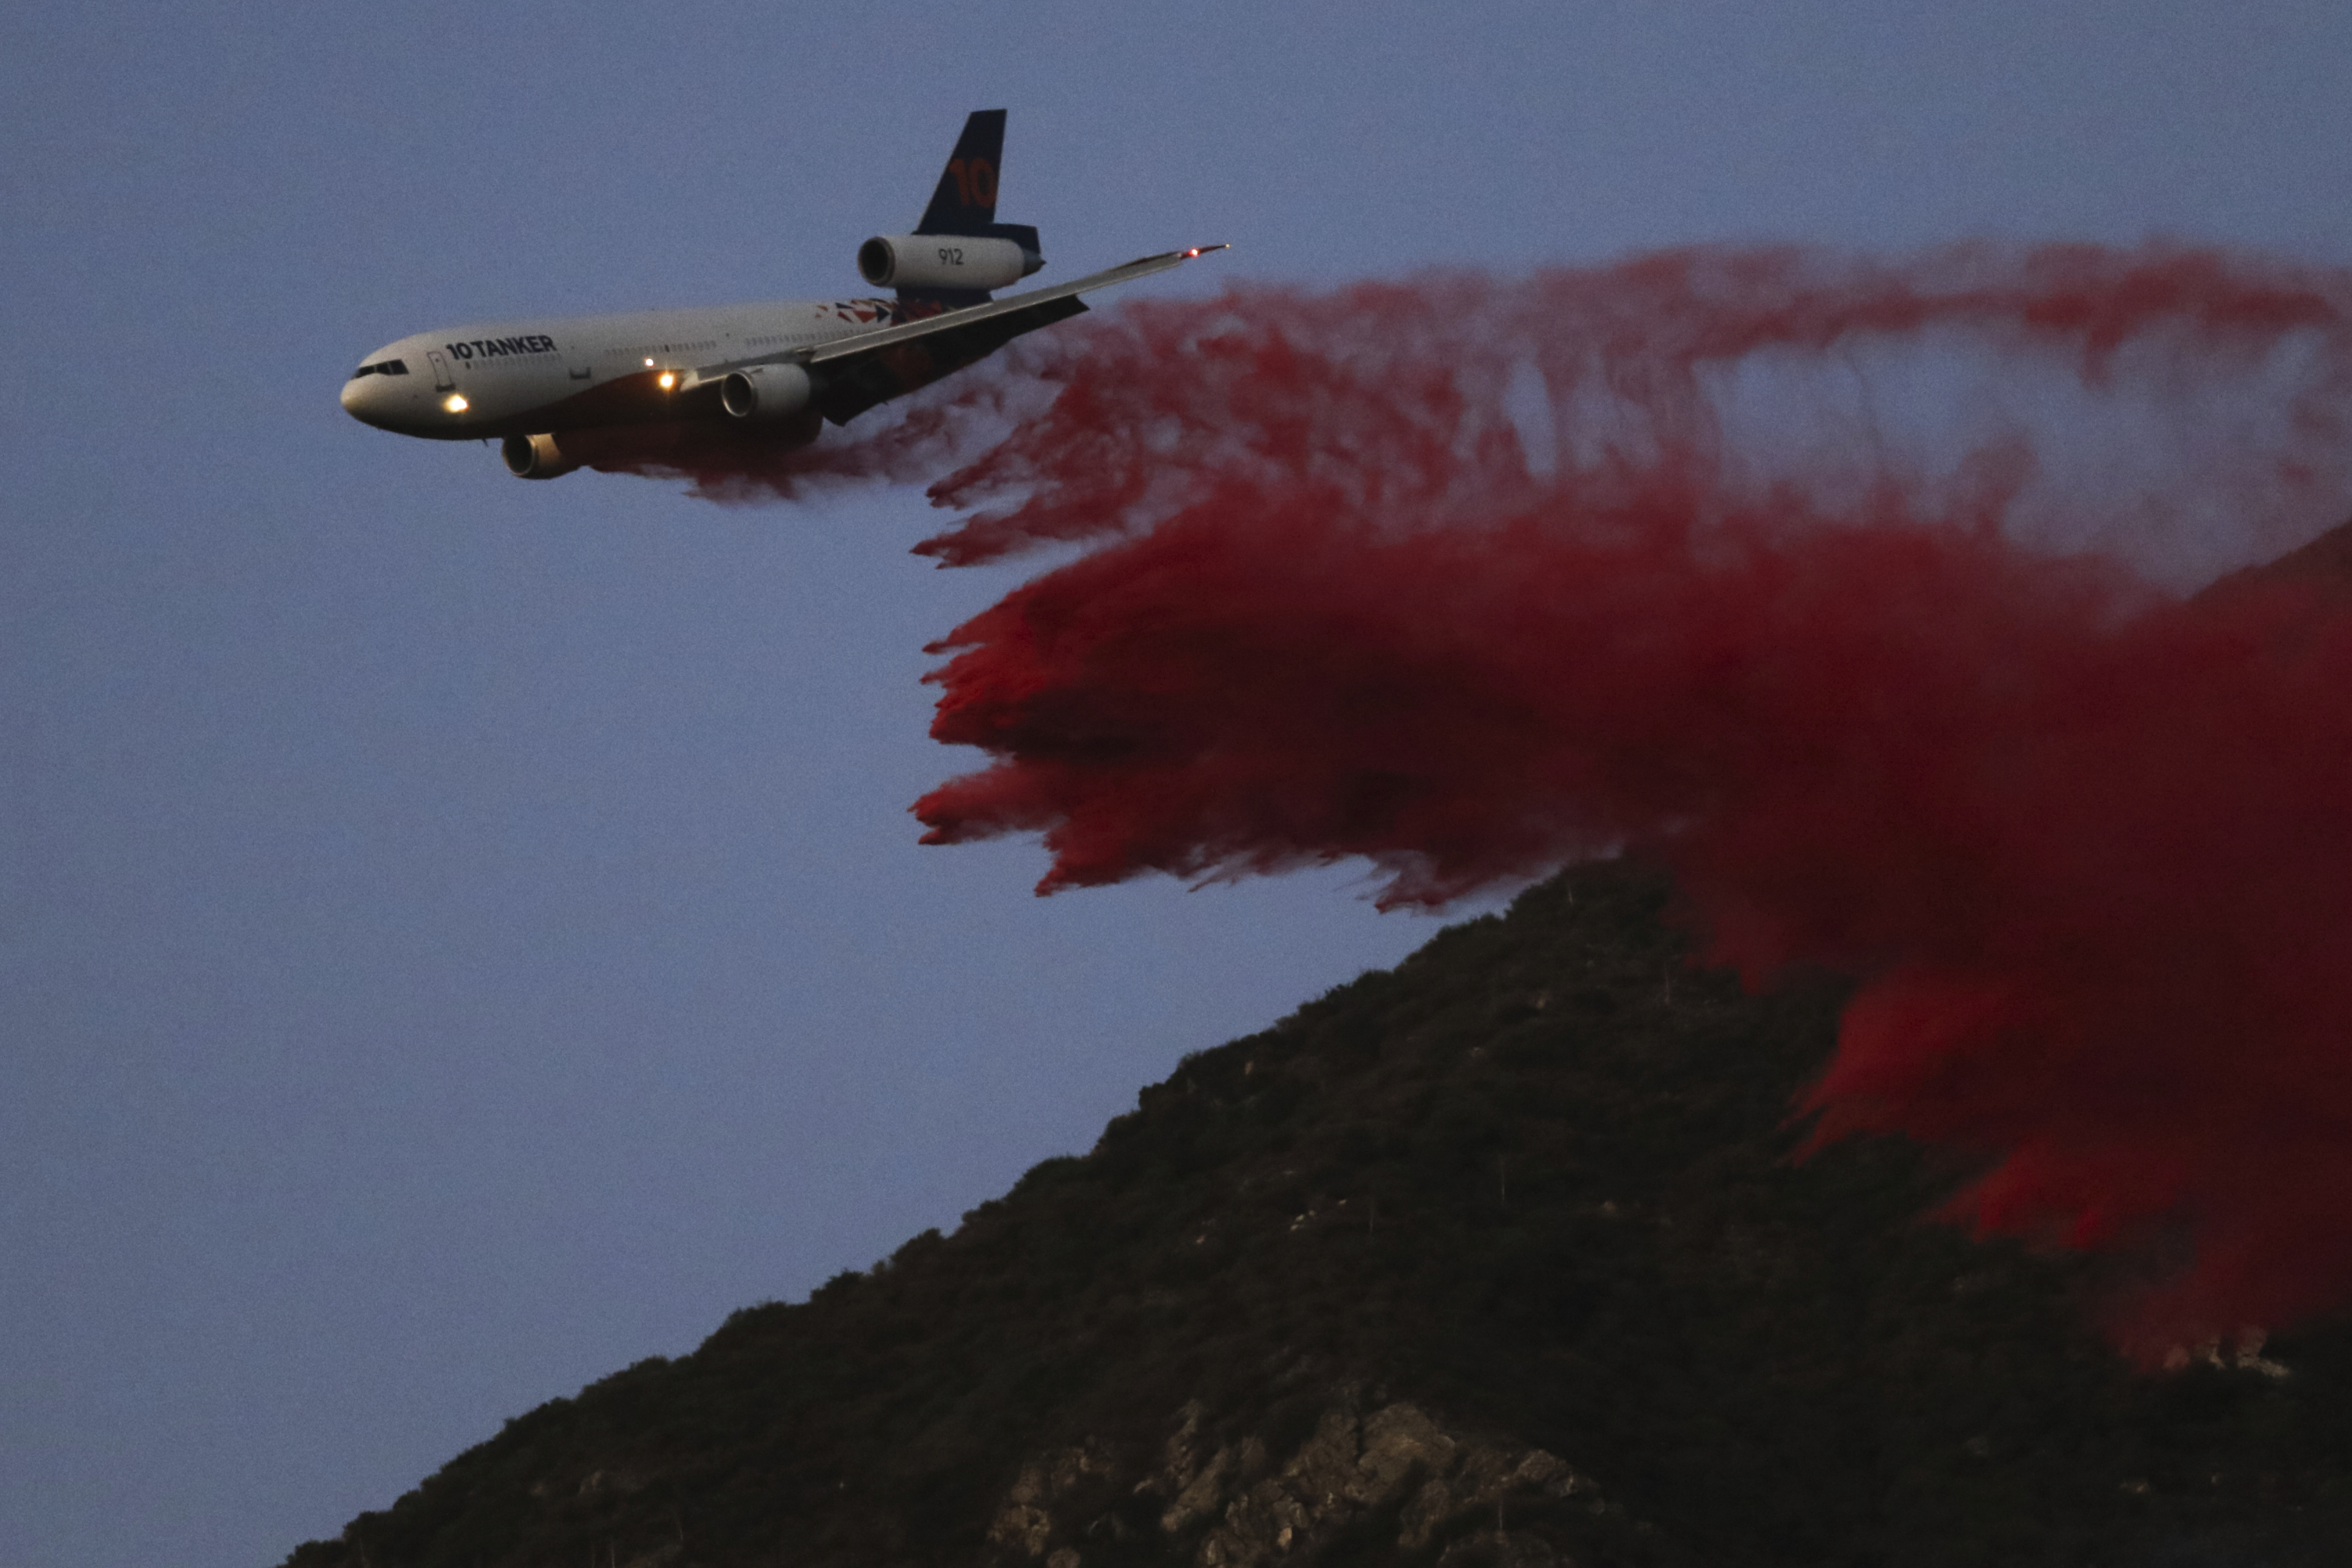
{"points": [[1393, 1470], [1023, 1525]]}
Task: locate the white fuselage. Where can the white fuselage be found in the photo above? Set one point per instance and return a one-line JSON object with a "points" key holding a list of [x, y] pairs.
{"points": [[550, 373]]}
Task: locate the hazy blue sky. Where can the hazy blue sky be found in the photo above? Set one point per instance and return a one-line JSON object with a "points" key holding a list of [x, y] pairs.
{"points": [[458, 937]]}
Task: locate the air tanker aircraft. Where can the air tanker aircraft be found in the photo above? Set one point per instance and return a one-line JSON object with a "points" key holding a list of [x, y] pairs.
{"points": [[559, 392]]}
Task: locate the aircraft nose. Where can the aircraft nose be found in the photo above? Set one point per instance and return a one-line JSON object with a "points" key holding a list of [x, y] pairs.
{"points": [[363, 398]]}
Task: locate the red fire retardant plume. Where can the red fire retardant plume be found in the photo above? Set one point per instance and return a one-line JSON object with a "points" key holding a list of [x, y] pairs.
{"points": [[2085, 847]]}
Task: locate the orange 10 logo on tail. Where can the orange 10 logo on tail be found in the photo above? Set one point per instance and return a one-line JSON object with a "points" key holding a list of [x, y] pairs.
{"points": [[975, 181]]}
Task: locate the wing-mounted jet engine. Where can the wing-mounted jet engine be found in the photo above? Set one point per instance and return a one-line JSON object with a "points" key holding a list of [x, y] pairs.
{"points": [[535, 457], [765, 393]]}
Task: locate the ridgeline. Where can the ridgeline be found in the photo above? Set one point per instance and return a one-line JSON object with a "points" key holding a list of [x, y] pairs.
{"points": [[1501, 1257]]}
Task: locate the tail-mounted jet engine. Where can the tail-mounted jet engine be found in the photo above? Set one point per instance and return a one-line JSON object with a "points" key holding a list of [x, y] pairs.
{"points": [[764, 391], [535, 457], [945, 261]]}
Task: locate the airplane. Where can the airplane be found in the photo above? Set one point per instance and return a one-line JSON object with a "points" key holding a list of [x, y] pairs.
{"points": [[560, 392]]}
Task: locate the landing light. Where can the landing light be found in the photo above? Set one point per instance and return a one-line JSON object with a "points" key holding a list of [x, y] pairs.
{"points": [[454, 403], [669, 379]]}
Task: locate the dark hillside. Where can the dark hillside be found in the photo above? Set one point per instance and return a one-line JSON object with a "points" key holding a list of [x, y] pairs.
{"points": [[1500, 1256], [2324, 566]]}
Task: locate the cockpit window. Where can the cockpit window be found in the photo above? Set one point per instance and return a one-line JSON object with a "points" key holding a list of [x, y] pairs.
{"points": [[381, 367]]}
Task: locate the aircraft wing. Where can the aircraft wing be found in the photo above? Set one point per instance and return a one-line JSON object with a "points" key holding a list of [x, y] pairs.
{"points": [[853, 373]]}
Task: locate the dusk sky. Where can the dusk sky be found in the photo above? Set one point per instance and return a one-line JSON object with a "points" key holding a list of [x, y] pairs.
{"points": [[461, 937]]}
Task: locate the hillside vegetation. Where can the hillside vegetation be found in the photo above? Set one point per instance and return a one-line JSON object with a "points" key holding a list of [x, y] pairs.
{"points": [[1502, 1257]]}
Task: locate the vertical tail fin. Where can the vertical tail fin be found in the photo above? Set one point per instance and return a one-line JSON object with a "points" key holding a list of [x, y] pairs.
{"points": [[965, 202]]}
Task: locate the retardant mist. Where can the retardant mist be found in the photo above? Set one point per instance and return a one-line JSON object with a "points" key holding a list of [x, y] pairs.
{"points": [[1773, 566]]}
